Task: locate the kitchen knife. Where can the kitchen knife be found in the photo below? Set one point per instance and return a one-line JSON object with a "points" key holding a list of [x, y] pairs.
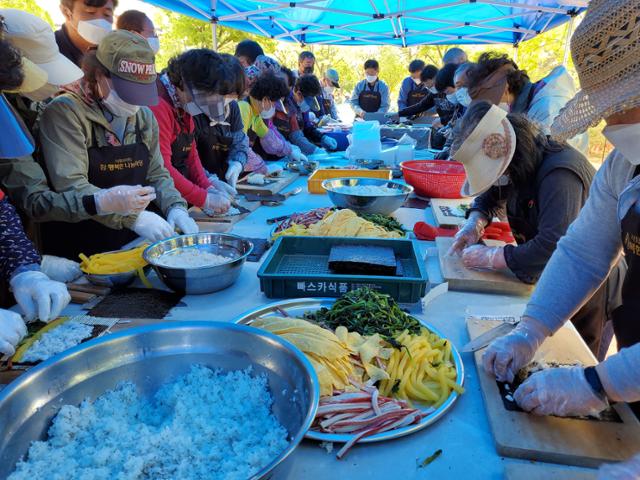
{"points": [[489, 336]]}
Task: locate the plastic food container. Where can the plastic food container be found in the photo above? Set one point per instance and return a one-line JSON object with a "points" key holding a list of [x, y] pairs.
{"points": [[314, 184]]}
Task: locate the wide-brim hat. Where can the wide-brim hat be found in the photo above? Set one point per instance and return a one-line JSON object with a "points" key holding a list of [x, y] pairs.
{"points": [[487, 152], [605, 49]]}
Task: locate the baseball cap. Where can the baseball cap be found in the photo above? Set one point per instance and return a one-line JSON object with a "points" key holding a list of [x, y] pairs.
{"points": [[333, 76], [36, 42], [131, 62]]}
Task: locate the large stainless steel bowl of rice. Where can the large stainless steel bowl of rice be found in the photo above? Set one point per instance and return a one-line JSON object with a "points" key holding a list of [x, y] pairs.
{"points": [[367, 195], [199, 263], [184, 400]]}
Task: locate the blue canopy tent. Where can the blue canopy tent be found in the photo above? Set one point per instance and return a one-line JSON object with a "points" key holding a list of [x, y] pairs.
{"points": [[384, 22]]}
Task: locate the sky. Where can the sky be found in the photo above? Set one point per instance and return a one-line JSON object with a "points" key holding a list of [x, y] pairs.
{"points": [[52, 7]]}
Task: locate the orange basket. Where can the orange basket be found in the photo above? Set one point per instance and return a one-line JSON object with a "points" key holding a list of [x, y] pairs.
{"points": [[434, 178]]}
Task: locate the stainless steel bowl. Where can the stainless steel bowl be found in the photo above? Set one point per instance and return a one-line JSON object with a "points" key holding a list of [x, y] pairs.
{"points": [[384, 204], [200, 280], [149, 357], [115, 279]]}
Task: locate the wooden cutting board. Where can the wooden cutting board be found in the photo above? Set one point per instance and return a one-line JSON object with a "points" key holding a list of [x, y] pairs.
{"points": [[461, 278], [204, 221], [283, 181], [543, 471], [450, 213], [569, 441]]}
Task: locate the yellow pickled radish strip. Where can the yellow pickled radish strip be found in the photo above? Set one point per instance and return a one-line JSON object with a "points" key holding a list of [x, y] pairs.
{"points": [[114, 262]]}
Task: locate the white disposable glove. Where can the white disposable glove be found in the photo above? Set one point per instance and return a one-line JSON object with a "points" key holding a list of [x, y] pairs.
{"points": [[481, 257], [319, 151], [297, 155], [328, 142], [152, 227], [563, 391], [233, 173], [179, 218], [469, 234], [217, 202], [273, 169], [221, 186], [506, 355], [124, 199], [12, 330], [60, 269], [39, 296], [629, 470]]}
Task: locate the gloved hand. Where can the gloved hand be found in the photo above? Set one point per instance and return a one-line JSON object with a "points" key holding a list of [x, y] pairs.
{"points": [[319, 151], [328, 142], [124, 199], [221, 186], [562, 391], [39, 296], [297, 155], [216, 202], [60, 269], [179, 218], [274, 169], [469, 234], [233, 173], [152, 227], [629, 470], [12, 330], [505, 356], [481, 257]]}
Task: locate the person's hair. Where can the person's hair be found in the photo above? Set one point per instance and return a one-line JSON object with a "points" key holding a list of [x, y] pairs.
{"points": [[428, 72], [235, 81], [250, 49], [291, 77], [489, 62], [454, 55], [444, 78], [371, 63], [88, 3], [531, 142], [269, 85], [308, 85], [463, 69], [11, 74], [416, 66], [304, 55], [92, 68], [132, 20], [201, 68]]}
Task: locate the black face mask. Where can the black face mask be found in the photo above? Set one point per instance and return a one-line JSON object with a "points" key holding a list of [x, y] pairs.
{"points": [[308, 70]]}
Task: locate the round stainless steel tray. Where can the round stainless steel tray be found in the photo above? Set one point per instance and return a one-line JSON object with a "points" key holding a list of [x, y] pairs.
{"points": [[296, 308]]}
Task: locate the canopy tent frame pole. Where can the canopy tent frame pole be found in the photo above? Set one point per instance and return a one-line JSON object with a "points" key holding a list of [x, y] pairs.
{"points": [[567, 41], [214, 25]]}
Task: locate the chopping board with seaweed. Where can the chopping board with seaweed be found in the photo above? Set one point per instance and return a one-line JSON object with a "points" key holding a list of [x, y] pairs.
{"points": [[570, 441], [235, 214], [274, 185], [450, 213]]}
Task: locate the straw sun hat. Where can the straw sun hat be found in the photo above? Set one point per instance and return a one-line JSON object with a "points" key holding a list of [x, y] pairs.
{"points": [[606, 51]]}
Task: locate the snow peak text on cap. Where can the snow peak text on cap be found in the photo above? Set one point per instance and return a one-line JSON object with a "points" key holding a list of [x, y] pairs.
{"points": [[143, 71]]}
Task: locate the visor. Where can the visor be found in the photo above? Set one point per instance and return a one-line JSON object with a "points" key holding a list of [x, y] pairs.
{"points": [[211, 105], [34, 78], [493, 87], [279, 104], [313, 103], [134, 93]]}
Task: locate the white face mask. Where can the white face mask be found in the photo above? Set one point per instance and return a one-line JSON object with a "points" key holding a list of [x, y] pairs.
{"points": [[433, 90], [626, 140], [452, 98], [504, 106], [417, 81], [371, 78], [154, 43], [47, 91], [119, 107], [93, 31], [267, 114], [463, 96]]}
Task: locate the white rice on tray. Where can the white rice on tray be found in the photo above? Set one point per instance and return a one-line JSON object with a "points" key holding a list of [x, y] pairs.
{"points": [[191, 258], [367, 190], [206, 424], [57, 340]]}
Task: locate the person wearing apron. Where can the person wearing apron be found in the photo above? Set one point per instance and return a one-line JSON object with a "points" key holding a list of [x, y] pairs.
{"points": [[371, 95], [101, 135], [330, 82], [607, 226]]}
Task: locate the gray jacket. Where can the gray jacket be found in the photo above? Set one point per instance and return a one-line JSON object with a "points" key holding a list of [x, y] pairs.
{"points": [[585, 255]]}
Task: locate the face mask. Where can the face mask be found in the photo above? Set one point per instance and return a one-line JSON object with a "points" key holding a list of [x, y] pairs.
{"points": [[417, 81], [154, 43], [93, 31], [371, 78], [267, 114], [463, 96], [626, 140], [433, 90], [118, 107], [504, 106], [192, 109], [452, 98], [308, 70], [329, 90], [43, 93], [502, 181]]}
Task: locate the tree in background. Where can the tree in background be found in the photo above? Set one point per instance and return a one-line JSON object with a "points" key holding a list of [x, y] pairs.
{"points": [[30, 6]]}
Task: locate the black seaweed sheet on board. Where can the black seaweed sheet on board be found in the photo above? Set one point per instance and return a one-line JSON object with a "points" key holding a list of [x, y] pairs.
{"points": [[136, 303]]}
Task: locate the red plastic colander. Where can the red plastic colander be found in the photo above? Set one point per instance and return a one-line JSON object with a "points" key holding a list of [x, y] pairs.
{"points": [[434, 178]]}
